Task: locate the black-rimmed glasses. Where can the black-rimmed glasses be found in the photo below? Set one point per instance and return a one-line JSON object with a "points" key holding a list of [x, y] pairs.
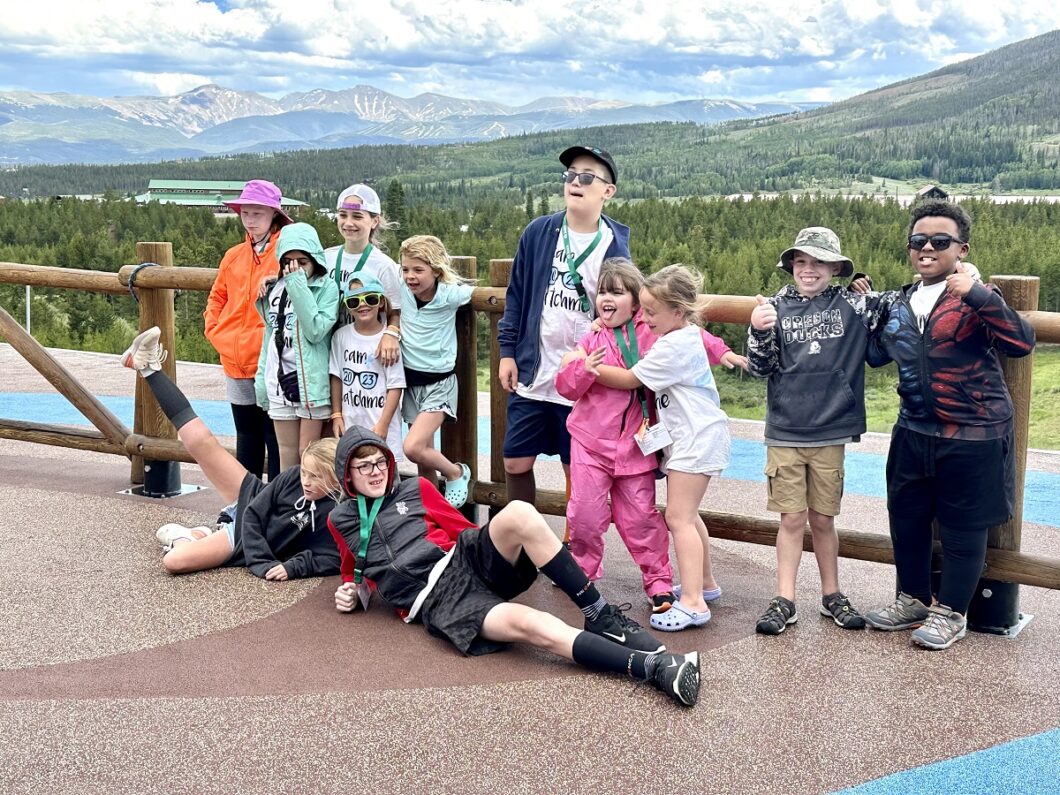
{"points": [[368, 467]]}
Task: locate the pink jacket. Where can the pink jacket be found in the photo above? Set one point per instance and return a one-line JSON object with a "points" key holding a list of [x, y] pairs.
{"points": [[605, 420]]}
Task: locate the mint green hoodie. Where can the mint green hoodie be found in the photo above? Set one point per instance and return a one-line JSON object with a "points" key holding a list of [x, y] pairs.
{"points": [[315, 303]]}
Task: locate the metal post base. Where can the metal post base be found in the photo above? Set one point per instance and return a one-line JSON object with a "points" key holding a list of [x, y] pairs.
{"points": [[161, 478], [995, 608]]}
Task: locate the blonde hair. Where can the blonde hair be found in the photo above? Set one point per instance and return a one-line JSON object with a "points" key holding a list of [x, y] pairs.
{"points": [[319, 460], [678, 287], [432, 251], [620, 272]]}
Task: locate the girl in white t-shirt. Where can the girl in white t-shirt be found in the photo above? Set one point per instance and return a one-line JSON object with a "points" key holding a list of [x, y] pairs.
{"points": [[364, 391], [361, 223], [686, 398]]}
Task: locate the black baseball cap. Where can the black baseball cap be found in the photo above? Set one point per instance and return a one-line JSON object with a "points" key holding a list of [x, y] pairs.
{"points": [[594, 152]]}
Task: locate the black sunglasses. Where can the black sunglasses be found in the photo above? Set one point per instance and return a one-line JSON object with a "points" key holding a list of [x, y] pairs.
{"points": [[938, 242], [368, 299], [584, 178]]}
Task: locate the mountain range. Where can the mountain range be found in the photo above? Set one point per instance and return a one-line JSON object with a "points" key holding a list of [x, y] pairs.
{"points": [[211, 120]]}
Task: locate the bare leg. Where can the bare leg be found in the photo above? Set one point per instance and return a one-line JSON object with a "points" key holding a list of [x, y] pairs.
{"points": [[204, 553], [826, 550], [520, 528], [419, 445], [220, 467], [684, 492], [515, 623], [709, 583], [308, 431], [287, 432], [789, 552]]}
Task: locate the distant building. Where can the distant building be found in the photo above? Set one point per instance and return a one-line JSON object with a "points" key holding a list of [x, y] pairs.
{"points": [[931, 192], [201, 193]]}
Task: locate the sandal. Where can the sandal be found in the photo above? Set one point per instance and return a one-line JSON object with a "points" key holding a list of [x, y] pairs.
{"points": [[456, 490], [709, 595], [679, 617]]}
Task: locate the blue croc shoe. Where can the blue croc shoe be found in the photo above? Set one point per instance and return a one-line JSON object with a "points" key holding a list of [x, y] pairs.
{"points": [[709, 594], [456, 490], [679, 617]]}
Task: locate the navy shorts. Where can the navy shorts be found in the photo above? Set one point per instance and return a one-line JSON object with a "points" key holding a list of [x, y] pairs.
{"points": [[536, 427], [477, 579], [961, 483]]}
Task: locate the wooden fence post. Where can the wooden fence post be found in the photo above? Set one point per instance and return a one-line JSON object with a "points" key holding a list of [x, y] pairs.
{"points": [[995, 605], [156, 309], [460, 438]]}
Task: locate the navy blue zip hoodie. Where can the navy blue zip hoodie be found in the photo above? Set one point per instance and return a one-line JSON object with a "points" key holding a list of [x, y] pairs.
{"points": [[519, 330]]}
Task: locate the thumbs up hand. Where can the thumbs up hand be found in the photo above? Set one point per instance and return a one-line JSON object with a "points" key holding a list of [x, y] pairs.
{"points": [[764, 315], [959, 282]]}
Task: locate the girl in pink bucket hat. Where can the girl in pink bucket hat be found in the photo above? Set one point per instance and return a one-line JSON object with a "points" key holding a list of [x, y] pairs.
{"points": [[233, 325]]}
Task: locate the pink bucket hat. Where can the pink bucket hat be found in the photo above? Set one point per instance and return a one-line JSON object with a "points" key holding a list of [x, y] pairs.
{"points": [[259, 191]]}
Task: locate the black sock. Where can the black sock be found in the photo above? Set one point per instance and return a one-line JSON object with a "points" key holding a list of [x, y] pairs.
{"points": [[521, 487], [601, 654], [171, 400], [566, 573], [250, 437]]}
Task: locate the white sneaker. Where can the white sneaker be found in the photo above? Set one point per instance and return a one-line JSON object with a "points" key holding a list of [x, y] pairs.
{"points": [[168, 533], [145, 354]]}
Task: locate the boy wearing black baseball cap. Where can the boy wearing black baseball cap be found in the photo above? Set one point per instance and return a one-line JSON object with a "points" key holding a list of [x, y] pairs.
{"points": [[549, 308]]}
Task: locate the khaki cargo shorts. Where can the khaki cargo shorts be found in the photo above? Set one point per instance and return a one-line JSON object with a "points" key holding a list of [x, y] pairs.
{"points": [[805, 477]]}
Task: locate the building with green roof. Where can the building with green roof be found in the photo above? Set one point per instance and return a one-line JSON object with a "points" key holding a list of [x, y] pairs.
{"points": [[202, 193]]}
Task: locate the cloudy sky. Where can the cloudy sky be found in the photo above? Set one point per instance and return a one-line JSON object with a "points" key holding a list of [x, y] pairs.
{"points": [[508, 51]]}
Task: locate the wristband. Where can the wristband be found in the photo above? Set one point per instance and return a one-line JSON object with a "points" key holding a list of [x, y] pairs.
{"points": [[336, 415], [393, 334]]}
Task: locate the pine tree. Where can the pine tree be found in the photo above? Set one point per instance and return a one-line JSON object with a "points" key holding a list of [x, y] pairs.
{"points": [[529, 205], [394, 208]]}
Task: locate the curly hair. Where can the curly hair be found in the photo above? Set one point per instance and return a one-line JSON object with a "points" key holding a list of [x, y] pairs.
{"points": [[940, 208]]}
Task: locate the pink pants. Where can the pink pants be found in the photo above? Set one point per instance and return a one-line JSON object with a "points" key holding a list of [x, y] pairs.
{"points": [[632, 507]]}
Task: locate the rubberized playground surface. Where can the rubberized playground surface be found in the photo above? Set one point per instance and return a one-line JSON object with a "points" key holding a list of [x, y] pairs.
{"points": [[115, 677]]}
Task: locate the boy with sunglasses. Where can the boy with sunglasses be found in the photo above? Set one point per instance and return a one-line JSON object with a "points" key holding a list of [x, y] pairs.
{"points": [[549, 308], [951, 450], [364, 391]]}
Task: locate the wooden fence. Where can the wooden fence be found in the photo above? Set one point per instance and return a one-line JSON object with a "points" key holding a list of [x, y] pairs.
{"points": [[154, 438]]}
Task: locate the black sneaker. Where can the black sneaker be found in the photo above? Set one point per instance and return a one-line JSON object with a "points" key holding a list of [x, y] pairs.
{"points": [[677, 675], [778, 615], [662, 602], [838, 608], [617, 627]]}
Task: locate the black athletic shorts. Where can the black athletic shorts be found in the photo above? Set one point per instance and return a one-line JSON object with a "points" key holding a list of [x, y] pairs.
{"points": [[477, 579], [962, 483], [536, 427]]}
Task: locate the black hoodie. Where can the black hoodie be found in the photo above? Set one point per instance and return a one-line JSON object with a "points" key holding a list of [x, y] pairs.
{"points": [[275, 523], [414, 529]]}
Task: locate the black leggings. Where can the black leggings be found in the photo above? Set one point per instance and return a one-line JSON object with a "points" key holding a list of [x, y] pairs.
{"points": [[963, 556], [254, 436]]}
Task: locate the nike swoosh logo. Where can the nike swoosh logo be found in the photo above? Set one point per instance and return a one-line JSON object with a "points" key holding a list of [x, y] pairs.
{"points": [[617, 638]]}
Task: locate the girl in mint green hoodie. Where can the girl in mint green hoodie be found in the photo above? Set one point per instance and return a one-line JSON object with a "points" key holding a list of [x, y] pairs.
{"points": [[299, 307]]}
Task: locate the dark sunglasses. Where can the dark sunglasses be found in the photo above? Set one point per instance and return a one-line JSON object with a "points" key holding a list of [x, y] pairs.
{"points": [[368, 467], [368, 299], [584, 178], [938, 242]]}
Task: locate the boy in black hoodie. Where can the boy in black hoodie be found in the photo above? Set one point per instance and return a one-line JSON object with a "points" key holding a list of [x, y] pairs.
{"points": [[425, 559]]}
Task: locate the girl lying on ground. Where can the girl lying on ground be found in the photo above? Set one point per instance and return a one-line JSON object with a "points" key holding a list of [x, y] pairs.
{"points": [[278, 532], [426, 560]]}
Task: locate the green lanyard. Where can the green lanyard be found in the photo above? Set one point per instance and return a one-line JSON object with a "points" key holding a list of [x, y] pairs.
{"points": [[356, 268], [573, 266], [631, 355], [367, 523]]}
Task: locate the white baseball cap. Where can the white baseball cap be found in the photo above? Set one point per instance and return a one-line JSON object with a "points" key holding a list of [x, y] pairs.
{"points": [[359, 197]]}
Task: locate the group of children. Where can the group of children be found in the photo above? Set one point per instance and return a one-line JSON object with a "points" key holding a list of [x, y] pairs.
{"points": [[610, 370]]}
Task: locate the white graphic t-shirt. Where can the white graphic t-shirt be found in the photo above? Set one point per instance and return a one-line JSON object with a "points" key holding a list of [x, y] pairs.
{"points": [[290, 362], [365, 382], [923, 300], [686, 399], [563, 322], [378, 265]]}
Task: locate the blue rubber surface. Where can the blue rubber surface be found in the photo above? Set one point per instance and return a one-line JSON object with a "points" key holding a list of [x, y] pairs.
{"points": [[1021, 767], [864, 471]]}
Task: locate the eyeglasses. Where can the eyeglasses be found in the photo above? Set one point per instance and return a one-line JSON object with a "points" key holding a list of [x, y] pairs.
{"points": [[301, 262], [584, 177], [368, 467], [288, 320], [368, 299], [367, 378], [938, 242], [568, 278]]}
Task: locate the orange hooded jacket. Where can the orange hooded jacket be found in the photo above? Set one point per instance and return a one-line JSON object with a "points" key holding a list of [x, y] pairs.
{"points": [[233, 325]]}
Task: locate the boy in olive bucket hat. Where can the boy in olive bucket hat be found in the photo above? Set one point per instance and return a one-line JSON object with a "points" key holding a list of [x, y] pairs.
{"points": [[809, 340]]}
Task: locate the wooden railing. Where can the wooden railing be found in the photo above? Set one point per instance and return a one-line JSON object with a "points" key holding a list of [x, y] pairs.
{"points": [[154, 438]]}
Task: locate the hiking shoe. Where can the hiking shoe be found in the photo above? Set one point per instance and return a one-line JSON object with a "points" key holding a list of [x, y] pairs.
{"points": [[617, 627], [677, 675], [838, 608], [941, 629], [778, 615], [662, 602], [905, 612], [145, 353]]}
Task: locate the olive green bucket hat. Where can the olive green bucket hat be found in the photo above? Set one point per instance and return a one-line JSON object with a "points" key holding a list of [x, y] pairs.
{"points": [[821, 243]]}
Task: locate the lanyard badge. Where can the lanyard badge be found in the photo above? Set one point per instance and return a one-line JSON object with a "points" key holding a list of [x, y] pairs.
{"points": [[574, 263]]}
